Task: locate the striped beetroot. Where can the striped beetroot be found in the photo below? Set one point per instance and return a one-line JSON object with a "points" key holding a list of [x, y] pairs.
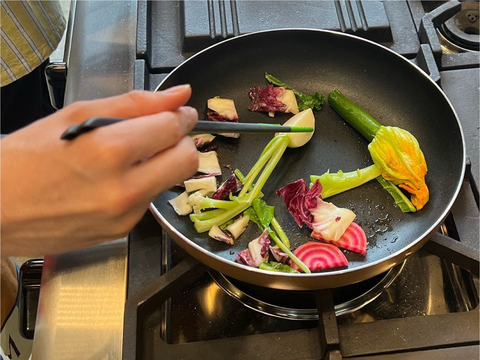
{"points": [[318, 256], [353, 239]]}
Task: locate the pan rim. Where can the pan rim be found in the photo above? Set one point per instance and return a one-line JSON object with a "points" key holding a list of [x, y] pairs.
{"points": [[396, 255]]}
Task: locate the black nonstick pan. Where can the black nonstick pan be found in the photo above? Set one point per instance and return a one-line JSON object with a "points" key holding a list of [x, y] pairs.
{"points": [[388, 86]]}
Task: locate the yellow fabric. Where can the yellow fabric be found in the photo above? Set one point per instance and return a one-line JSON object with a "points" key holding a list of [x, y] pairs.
{"points": [[30, 32]]}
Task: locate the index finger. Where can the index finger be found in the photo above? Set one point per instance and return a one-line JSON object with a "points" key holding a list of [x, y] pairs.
{"points": [[131, 105]]}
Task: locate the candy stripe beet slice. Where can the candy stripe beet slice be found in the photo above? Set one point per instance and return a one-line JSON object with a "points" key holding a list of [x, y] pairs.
{"points": [[353, 239], [318, 256]]}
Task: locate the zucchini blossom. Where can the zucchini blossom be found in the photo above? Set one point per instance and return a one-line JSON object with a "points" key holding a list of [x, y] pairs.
{"points": [[398, 154]]}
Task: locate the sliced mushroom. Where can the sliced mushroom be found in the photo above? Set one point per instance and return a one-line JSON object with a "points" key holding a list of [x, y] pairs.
{"points": [[217, 234], [201, 140], [180, 204], [206, 183], [208, 163], [239, 226]]}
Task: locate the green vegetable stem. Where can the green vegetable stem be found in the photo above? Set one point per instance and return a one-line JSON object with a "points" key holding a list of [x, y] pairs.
{"points": [[336, 183], [267, 161], [362, 121], [264, 215]]}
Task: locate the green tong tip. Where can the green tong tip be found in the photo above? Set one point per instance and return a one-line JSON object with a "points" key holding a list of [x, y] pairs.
{"points": [[304, 129]]}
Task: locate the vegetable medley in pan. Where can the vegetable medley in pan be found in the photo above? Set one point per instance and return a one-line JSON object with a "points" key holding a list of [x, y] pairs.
{"points": [[226, 211]]}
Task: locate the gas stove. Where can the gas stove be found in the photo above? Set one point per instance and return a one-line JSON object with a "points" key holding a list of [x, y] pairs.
{"points": [[424, 308]]}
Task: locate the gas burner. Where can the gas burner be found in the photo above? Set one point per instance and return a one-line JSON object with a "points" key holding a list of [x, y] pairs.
{"points": [[300, 305], [461, 32]]}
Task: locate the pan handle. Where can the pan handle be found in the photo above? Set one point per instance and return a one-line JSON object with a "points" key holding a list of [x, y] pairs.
{"points": [[426, 61]]}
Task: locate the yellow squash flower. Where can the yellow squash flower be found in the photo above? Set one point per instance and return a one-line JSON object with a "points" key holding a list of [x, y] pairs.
{"points": [[398, 154]]}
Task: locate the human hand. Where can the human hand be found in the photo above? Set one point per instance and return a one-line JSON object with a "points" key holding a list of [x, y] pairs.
{"points": [[59, 195]]}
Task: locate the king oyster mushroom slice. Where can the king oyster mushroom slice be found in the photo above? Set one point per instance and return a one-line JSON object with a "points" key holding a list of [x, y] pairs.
{"points": [[201, 140], [217, 234], [238, 226], [208, 163], [223, 107], [180, 204], [289, 99], [207, 183]]}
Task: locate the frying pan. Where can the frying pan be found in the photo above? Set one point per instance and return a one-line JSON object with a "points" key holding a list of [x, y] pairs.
{"points": [[392, 89]]}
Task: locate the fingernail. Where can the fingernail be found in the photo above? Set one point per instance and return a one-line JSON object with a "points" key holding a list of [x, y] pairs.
{"points": [[177, 89]]}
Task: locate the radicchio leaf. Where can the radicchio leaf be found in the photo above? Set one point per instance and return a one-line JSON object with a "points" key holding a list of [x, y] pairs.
{"points": [[266, 99], [202, 140], [214, 116], [330, 221], [259, 248], [208, 148], [244, 257], [279, 255], [311, 197], [299, 200], [231, 185], [257, 251]]}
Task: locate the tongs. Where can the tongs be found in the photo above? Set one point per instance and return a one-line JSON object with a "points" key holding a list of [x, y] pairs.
{"points": [[202, 127]]}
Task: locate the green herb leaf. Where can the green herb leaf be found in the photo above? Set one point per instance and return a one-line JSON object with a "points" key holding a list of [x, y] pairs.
{"points": [[275, 266], [314, 101], [273, 80], [305, 101], [264, 212], [253, 217]]}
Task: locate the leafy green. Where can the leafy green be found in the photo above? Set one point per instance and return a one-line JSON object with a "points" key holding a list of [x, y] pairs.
{"points": [[281, 240], [264, 212], [253, 216], [400, 199], [305, 101], [275, 266]]}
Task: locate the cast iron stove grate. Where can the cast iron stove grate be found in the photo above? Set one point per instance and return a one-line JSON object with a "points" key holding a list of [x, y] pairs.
{"points": [[450, 336]]}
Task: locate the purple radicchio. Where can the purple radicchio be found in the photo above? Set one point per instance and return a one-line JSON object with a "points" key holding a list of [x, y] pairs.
{"points": [[330, 222], [299, 199], [266, 99], [244, 257], [219, 235], [306, 206], [257, 251], [279, 255], [231, 185]]}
